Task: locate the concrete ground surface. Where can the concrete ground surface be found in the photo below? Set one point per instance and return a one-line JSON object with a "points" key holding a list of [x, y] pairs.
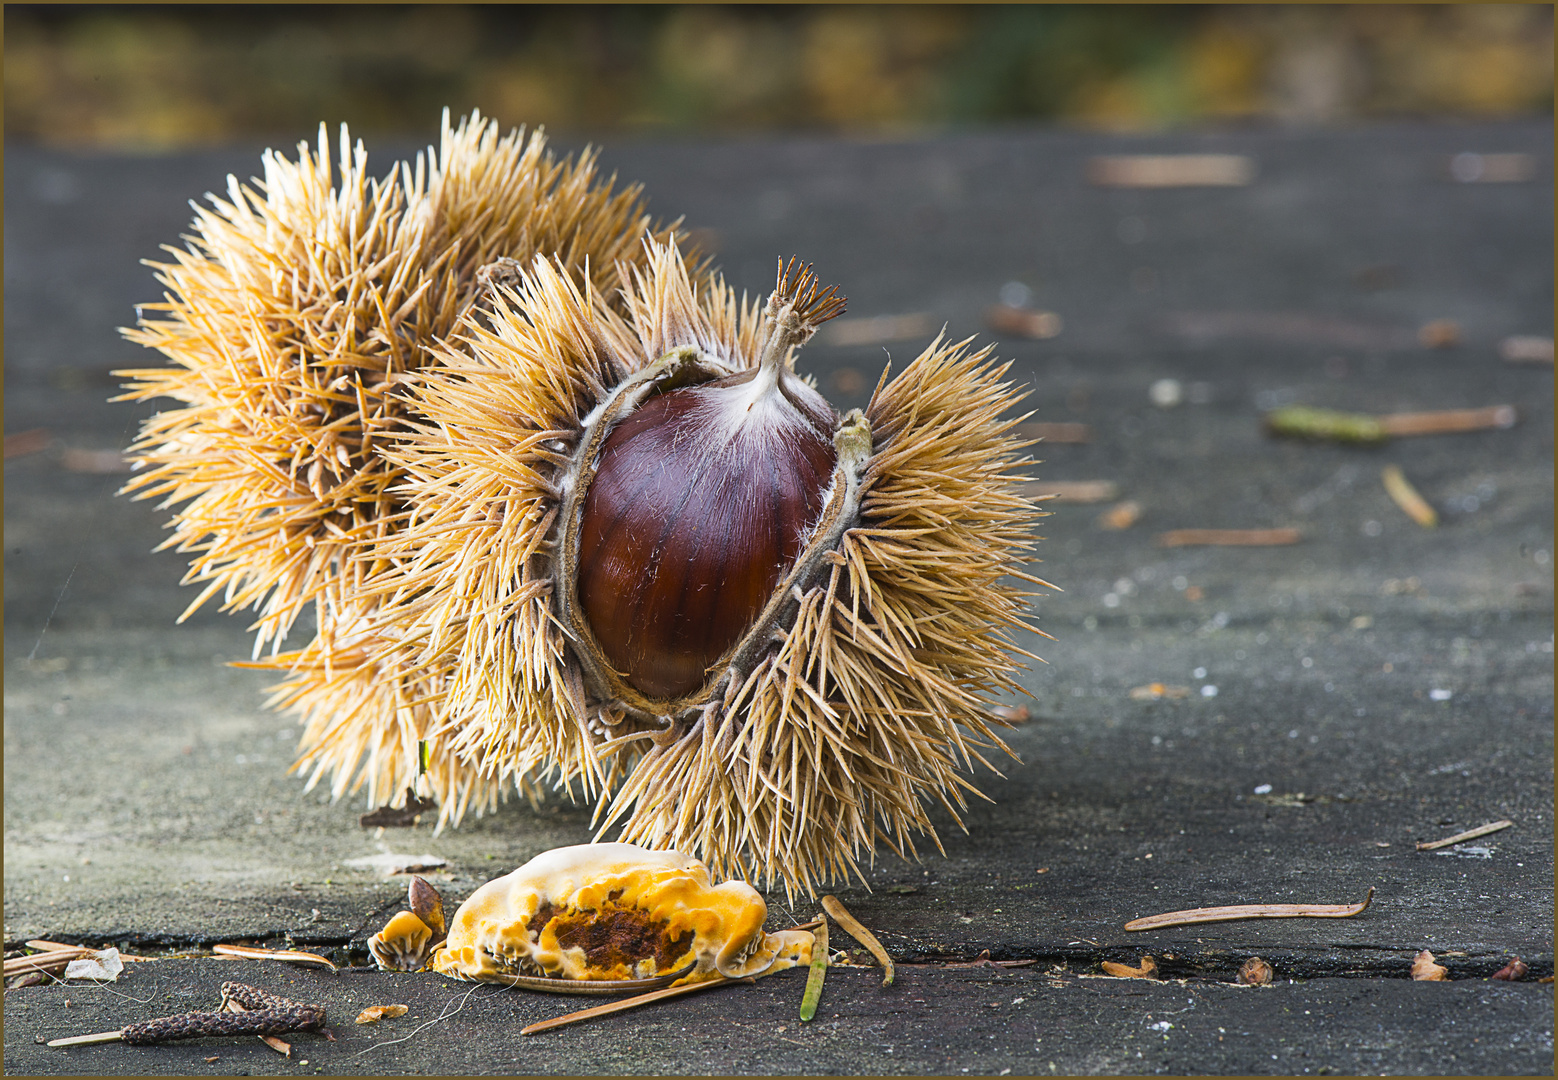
{"points": [[1373, 686]]}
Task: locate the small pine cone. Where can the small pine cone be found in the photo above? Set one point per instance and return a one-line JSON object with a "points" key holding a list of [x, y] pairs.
{"points": [[199, 1024], [254, 999]]}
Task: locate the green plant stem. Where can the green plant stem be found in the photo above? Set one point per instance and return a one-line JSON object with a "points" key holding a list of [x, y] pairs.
{"points": [[819, 969]]}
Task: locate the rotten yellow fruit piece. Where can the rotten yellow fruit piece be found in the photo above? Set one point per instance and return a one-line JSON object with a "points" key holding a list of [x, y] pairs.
{"points": [[404, 944], [614, 912]]}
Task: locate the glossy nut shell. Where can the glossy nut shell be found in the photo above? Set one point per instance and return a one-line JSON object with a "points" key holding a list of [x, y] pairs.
{"points": [[689, 526]]}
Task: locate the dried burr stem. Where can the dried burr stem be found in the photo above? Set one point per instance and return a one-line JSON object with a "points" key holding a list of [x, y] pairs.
{"points": [[642, 548], [292, 320]]}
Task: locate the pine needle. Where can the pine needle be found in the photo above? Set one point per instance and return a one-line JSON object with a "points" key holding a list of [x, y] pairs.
{"points": [[831, 905]]}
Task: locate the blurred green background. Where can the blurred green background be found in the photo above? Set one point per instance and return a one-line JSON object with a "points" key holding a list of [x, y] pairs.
{"points": [[163, 77]]}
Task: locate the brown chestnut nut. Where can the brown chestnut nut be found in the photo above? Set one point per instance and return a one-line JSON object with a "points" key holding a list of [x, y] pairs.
{"points": [[703, 496]]}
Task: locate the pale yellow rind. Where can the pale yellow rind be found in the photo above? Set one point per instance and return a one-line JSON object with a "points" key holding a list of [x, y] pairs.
{"points": [[490, 940]]}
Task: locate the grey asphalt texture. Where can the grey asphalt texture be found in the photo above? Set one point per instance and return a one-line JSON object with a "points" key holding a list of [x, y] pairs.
{"points": [[1377, 684]]}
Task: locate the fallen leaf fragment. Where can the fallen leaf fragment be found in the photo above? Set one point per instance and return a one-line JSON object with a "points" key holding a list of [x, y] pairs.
{"points": [[427, 905], [1440, 334], [1158, 691], [374, 1013], [1147, 970], [1250, 911], [1120, 516], [1513, 971], [104, 966], [1469, 834], [831, 905], [1425, 970], [1255, 972]]}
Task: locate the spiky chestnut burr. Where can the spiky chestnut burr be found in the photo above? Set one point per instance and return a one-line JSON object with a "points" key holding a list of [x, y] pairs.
{"points": [[551, 484], [293, 319]]}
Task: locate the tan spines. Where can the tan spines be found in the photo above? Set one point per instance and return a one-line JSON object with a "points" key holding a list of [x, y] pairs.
{"points": [[799, 285], [466, 589], [491, 196], [866, 712], [363, 722], [292, 314], [671, 305], [293, 319], [270, 317]]}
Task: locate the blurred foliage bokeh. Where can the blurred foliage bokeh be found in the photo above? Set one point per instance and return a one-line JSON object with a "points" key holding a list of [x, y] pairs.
{"points": [[162, 76]]}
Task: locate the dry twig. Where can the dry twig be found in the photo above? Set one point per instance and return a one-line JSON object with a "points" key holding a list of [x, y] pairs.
{"points": [[627, 1003], [1304, 422], [1054, 431], [292, 956], [1228, 537], [1469, 834], [48, 960], [26, 442], [1171, 170], [1404, 495], [57, 946], [1082, 491], [1022, 322], [1250, 911]]}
